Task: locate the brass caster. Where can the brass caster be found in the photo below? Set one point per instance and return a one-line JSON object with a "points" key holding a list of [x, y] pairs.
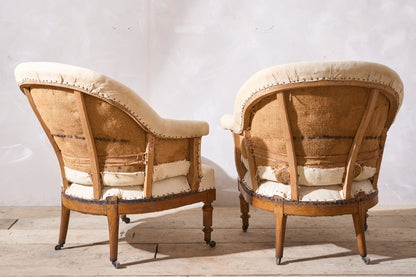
{"points": [[365, 259], [126, 219], [278, 260], [211, 243], [116, 264], [59, 246], [244, 227]]}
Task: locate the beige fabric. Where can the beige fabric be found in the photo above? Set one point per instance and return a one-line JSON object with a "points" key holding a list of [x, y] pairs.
{"points": [[310, 72], [168, 170], [310, 176], [121, 179], [208, 179], [111, 90], [174, 185], [308, 193]]}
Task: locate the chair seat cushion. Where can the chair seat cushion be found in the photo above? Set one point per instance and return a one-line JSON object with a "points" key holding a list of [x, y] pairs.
{"points": [[310, 176], [165, 187], [121, 179], [308, 193]]}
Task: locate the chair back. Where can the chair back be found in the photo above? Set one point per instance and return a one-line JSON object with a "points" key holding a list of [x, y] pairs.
{"points": [[316, 131], [95, 124]]}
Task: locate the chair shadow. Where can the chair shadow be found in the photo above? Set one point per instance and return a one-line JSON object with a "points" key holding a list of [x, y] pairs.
{"points": [[388, 250]]}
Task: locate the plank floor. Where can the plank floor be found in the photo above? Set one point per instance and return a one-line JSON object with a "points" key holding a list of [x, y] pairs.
{"points": [[171, 243]]}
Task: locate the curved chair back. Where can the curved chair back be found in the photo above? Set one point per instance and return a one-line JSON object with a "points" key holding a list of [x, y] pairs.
{"points": [[97, 125], [315, 124]]}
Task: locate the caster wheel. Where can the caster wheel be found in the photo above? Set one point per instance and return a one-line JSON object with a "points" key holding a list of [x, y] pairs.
{"points": [[244, 227], [278, 260], [59, 246], [365, 259], [116, 263], [211, 243], [126, 219]]}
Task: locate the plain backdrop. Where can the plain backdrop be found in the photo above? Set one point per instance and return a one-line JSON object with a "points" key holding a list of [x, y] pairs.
{"points": [[188, 59]]}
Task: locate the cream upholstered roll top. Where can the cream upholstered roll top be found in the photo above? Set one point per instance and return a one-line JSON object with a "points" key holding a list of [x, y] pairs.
{"points": [[310, 72], [112, 91]]}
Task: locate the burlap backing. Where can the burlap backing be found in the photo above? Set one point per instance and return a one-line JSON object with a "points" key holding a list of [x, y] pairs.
{"points": [[119, 140], [324, 121], [170, 150]]}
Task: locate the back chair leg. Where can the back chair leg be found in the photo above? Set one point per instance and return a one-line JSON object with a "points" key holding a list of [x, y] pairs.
{"points": [[113, 223], [280, 219], [125, 218], [63, 228], [359, 225], [244, 208], [207, 222]]}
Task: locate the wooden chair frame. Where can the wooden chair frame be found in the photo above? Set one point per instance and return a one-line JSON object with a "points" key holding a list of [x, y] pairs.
{"points": [[113, 207], [281, 207]]}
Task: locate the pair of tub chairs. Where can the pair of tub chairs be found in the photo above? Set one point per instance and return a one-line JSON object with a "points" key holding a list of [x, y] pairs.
{"points": [[308, 138]]}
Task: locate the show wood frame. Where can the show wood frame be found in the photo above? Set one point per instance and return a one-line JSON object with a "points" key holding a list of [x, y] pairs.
{"points": [[113, 207], [281, 207]]}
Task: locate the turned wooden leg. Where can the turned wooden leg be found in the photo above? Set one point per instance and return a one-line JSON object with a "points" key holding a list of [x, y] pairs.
{"points": [[207, 222], [244, 208], [280, 219], [359, 222], [113, 222], [64, 227]]}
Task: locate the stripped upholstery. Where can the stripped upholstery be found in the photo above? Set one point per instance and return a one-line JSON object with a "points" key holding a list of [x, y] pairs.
{"points": [[309, 139], [164, 187], [114, 111], [324, 118]]}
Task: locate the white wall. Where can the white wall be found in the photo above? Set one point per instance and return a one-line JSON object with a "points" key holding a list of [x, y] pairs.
{"points": [[188, 59]]}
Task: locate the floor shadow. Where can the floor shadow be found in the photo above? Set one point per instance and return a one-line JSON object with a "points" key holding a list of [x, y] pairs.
{"points": [[166, 232]]}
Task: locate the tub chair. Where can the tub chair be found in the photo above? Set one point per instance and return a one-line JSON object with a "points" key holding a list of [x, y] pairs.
{"points": [[309, 140], [117, 156]]}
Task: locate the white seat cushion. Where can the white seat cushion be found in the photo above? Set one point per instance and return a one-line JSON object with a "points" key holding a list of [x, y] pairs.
{"points": [[309, 193], [169, 186], [310, 176], [121, 179]]}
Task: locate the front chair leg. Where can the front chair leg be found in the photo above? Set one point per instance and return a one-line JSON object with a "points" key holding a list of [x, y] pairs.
{"points": [[63, 228], [244, 208], [280, 219], [359, 225], [207, 222], [113, 223]]}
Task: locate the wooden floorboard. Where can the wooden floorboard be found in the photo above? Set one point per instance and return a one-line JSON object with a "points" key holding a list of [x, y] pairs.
{"points": [[322, 246], [7, 223]]}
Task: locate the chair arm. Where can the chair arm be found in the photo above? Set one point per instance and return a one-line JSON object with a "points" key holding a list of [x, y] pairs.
{"points": [[229, 123], [182, 128]]}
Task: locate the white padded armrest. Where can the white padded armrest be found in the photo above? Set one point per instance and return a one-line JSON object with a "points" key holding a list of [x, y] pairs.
{"points": [[183, 128], [112, 91], [227, 122]]}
